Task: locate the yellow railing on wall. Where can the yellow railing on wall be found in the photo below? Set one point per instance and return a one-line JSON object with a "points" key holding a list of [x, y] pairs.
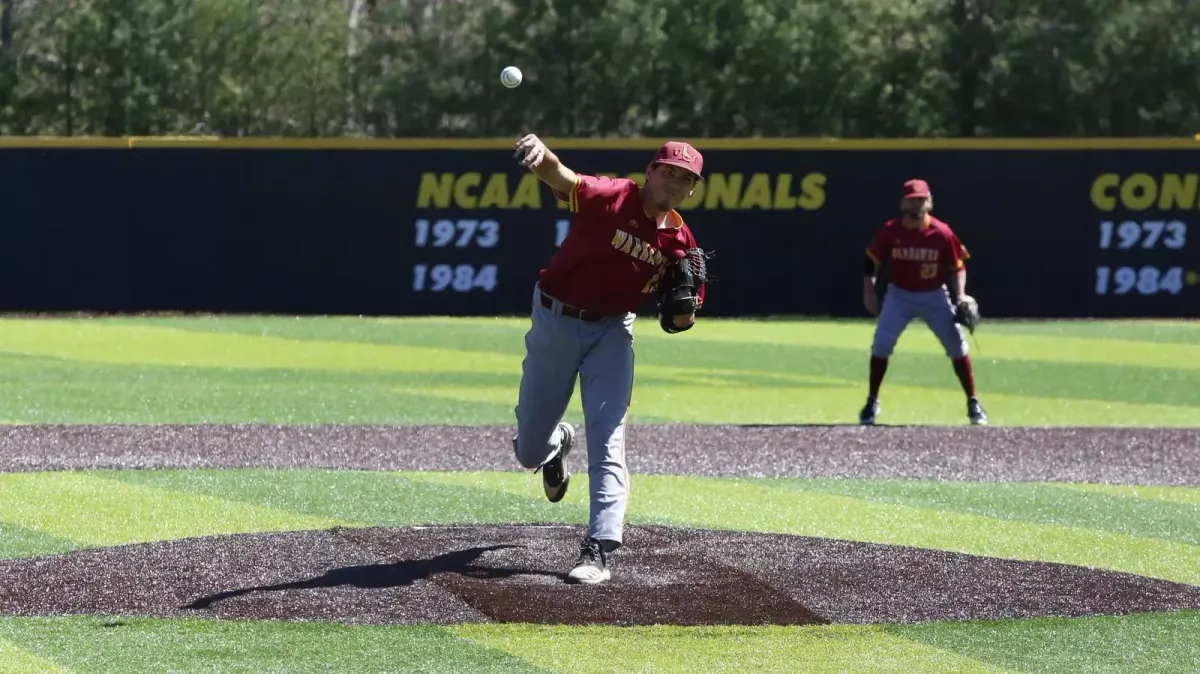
{"points": [[857, 144]]}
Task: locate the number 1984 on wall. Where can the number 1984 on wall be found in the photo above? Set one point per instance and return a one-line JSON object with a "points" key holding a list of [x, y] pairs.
{"points": [[1147, 280], [460, 278]]}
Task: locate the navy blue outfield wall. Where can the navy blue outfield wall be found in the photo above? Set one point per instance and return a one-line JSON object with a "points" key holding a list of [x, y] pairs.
{"points": [[1056, 228]]}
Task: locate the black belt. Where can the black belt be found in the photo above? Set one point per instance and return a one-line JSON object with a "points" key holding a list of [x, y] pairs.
{"points": [[570, 311]]}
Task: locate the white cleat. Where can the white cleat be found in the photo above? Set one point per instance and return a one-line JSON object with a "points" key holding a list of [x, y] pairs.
{"points": [[976, 413], [592, 565], [866, 417]]}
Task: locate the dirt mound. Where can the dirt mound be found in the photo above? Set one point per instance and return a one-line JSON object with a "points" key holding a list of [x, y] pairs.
{"points": [[462, 574], [1168, 456]]}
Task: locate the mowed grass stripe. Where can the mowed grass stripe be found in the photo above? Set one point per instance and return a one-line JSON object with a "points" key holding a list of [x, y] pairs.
{"points": [[1149, 642], [1085, 381], [1128, 644], [56, 390], [815, 403], [840, 648], [759, 505], [62, 391], [1030, 502], [366, 498], [17, 660], [1114, 370], [97, 511], [1146, 343], [1185, 495], [1154, 331], [659, 404], [19, 541], [355, 382], [498, 335], [99, 342], [918, 339], [1126, 365], [98, 644]]}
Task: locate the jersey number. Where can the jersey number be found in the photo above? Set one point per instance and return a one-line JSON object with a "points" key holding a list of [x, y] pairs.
{"points": [[929, 270]]}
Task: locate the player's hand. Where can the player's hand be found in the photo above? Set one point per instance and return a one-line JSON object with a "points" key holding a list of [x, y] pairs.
{"points": [[530, 151], [871, 302]]}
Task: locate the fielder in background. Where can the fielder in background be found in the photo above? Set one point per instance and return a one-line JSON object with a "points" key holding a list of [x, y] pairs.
{"points": [[627, 244], [924, 257]]}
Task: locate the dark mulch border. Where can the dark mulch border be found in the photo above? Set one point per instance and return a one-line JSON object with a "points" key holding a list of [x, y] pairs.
{"points": [[1164, 456]]}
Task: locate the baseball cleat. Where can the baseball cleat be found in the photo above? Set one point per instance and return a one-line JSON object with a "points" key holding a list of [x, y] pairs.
{"points": [[592, 565], [555, 477], [867, 416], [976, 412]]}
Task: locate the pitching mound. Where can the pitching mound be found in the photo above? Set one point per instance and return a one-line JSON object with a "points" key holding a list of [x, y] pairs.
{"points": [[462, 574]]}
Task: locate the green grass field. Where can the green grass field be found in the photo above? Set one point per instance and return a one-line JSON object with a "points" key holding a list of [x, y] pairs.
{"points": [[465, 371], [421, 371]]}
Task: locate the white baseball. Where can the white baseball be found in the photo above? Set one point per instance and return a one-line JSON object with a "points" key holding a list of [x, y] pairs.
{"points": [[510, 77]]}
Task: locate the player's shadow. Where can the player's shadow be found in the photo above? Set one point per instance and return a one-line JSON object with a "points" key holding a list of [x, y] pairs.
{"points": [[381, 576]]}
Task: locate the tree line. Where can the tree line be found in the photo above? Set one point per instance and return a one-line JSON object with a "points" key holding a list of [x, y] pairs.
{"points": [[598, 68]]}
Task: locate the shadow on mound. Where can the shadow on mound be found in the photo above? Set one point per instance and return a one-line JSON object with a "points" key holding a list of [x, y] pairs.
{"points": [[460, 574], [381, 576]]}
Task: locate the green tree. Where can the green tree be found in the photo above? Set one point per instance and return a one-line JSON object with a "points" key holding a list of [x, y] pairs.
{"points": [[388, 68]]}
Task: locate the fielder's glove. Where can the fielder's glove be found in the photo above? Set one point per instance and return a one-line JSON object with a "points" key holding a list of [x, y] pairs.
{"points": [[679, 288], [966, 313]]}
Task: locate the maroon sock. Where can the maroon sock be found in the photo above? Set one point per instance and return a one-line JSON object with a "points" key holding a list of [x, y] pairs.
{"points": [[878, 369], [966, 375]]}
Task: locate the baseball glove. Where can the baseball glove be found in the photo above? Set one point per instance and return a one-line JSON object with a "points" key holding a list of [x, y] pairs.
{"points": [[679, 288], [966, 313]]}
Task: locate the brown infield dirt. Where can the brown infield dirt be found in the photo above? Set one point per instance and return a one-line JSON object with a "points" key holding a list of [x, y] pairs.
{"points": [[517, 573]]}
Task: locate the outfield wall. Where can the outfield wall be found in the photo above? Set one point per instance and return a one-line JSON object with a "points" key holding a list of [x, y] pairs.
{"points": [[1102, 228]]}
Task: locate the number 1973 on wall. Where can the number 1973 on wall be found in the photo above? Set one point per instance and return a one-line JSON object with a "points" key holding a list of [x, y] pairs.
{"points": [[1128, 234]]}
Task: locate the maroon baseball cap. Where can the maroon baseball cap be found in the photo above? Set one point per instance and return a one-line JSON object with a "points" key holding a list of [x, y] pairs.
{"points": [[678, 153], [916, 188]]}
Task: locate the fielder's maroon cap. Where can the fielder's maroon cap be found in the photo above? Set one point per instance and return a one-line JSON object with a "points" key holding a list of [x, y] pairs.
{"points": [[916, 188], [678, 153]]}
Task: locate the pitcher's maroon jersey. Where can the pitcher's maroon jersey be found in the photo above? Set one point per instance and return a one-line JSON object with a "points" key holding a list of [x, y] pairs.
{"points": [[614, 256]]}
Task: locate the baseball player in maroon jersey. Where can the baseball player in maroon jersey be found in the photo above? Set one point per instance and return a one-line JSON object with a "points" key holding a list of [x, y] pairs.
{"points": [[925, 256], [627, 244]]}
